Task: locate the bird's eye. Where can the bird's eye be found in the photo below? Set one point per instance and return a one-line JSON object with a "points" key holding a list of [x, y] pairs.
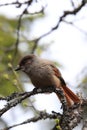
{"points": [[25, 60]]}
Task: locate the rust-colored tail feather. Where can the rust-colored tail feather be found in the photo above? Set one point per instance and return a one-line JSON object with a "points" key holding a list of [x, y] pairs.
{"points": [[71, 95]]}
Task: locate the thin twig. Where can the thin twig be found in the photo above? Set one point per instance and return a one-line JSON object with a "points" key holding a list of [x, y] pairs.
{"points": [[42, 115]]}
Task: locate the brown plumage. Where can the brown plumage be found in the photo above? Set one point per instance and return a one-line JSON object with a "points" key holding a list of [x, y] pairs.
{"points": [[43, 73]]}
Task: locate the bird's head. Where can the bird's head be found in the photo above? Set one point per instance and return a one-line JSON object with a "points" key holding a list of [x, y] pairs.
{"points": [[25, 62]]}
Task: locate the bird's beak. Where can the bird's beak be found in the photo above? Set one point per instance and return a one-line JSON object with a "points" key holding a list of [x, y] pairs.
{"points": [[18, 68]]}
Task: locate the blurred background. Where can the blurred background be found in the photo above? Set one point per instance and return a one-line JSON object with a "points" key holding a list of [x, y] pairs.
{"points": [[55, 30]]}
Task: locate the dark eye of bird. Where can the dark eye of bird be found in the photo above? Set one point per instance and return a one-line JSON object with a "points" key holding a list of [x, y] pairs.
{"points": [[25, 60]]}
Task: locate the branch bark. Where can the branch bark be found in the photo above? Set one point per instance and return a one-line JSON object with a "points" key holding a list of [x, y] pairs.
{"points": [[69, 119]]}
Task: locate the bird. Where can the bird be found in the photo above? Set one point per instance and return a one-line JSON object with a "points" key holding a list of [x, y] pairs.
{"points": [[43, 73]]}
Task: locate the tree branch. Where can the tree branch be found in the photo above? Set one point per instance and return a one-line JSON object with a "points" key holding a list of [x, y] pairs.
{"points": [[67, 121], [28, 3], [40, 116], [17, 98]]}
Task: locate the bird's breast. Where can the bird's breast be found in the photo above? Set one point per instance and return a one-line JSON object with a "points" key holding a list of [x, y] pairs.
{"points": [[41, 77]]}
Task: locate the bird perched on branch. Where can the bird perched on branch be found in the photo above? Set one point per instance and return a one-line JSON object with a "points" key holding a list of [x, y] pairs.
{"points": [[43, 73]]}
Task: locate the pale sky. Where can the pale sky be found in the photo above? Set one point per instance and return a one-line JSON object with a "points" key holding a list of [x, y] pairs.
{"points": [[69, 47]]}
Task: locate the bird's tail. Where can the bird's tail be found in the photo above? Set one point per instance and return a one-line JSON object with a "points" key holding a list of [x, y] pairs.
{"points": [[71, 97]]}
